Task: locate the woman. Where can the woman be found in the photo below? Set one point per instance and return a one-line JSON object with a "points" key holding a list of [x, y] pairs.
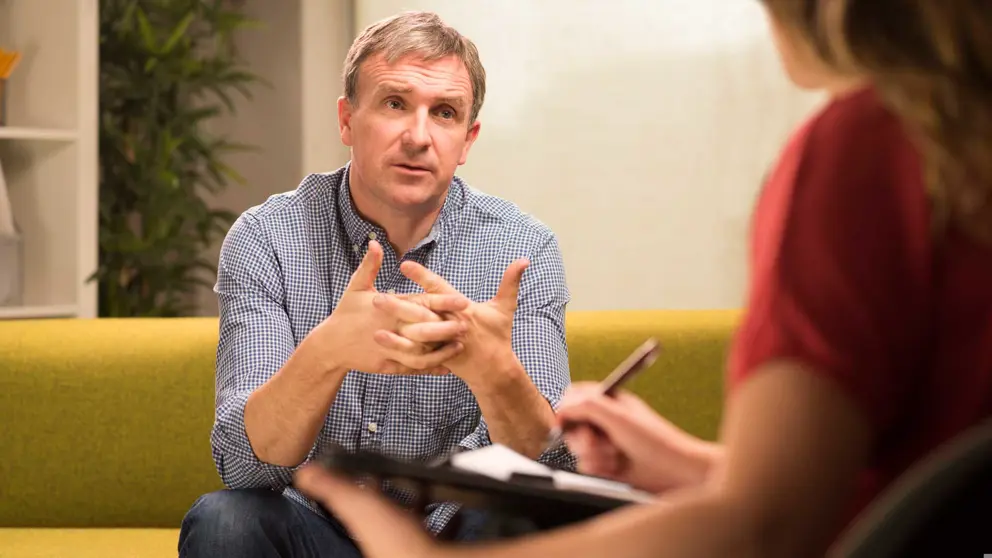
{"points": [[867, 337]]}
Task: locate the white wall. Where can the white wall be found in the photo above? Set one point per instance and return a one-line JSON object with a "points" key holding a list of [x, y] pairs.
{"points": [[638, 130]]}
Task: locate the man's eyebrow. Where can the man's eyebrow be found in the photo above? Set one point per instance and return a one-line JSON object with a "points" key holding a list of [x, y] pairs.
{"points": [[456, 102], [393, 88]]}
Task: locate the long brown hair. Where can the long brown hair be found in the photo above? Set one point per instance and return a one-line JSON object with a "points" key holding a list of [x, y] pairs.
{"points": [[931, 62]]}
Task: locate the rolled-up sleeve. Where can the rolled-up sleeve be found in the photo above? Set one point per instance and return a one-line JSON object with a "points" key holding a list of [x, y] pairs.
{"points": [[539, 340], [255, 341]]}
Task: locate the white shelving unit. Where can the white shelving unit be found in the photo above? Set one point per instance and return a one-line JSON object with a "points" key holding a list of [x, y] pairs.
{"points": [[48, 150]]}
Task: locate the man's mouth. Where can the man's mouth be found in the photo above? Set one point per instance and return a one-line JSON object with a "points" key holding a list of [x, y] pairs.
{"points": [[412, 168]]}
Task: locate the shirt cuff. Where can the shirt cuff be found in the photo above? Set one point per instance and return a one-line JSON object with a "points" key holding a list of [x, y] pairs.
{"points": [[237, 463]]}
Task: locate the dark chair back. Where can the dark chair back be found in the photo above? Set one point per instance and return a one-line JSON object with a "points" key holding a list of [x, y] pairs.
{"points": [[940, 507]]}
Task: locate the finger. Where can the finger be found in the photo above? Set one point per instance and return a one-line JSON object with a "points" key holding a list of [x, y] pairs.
{"points": [[397, 343], [438, 303], [403, 310], [579, 441], [427, 279], [631, 401], [364, 277], [596, 455], [414, 356], [579, 392], [381, 527], [433, 332], [509, 287], [427, 361], [600, 411]]}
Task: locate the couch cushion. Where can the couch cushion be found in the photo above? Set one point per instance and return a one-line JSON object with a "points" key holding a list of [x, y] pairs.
{"points": [[106, 421], [685, 384], [89, 543]]}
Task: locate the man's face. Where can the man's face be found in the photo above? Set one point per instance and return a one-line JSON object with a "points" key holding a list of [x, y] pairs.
{"points": [[409, 130]]}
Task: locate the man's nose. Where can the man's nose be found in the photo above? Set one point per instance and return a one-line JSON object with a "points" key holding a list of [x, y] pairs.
{"points": [[417, 135]]}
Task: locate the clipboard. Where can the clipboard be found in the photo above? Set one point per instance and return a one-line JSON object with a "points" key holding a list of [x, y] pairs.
{"points": [[531, 496]]}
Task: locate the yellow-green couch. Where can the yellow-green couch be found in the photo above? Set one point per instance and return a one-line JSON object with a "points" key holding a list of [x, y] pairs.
{"points": [[105, 423]]}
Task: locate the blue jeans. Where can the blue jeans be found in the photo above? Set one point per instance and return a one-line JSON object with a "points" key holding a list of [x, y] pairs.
{"points": [[255, 523]]}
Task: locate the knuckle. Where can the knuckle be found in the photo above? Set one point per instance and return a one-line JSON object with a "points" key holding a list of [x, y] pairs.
{"points": [[417, 362]]}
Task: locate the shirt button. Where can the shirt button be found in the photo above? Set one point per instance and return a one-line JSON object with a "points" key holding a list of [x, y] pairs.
{"points": [[373, 427], [372, 236], [391, 291], [354, 247]]}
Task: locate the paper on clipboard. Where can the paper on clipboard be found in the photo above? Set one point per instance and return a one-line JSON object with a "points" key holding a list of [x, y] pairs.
{"points": [[501, 463]]}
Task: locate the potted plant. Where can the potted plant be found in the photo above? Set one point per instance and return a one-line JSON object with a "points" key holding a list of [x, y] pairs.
{"points": [[167, 67]]}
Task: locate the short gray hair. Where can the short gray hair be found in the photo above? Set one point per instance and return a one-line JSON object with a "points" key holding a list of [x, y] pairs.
{"points": [[421, 33]]}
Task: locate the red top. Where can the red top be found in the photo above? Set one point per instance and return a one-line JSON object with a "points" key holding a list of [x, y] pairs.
{"points": [[847, 278]]}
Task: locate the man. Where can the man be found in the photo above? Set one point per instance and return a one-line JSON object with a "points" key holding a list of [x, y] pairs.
{"points": [[322, 340]]}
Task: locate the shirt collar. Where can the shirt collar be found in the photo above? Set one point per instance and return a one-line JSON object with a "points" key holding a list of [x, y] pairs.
{"points": [[360, 231]]}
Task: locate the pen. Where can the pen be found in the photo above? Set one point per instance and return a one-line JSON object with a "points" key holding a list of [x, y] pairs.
{"points": [[642, 357]]}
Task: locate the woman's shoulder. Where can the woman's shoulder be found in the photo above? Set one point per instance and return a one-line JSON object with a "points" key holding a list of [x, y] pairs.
{"points": [[853, 143], [856, 124]]}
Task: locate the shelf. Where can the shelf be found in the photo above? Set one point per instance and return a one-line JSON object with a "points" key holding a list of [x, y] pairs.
{"points": [[49, 148], [20, 312], [37, 134]]}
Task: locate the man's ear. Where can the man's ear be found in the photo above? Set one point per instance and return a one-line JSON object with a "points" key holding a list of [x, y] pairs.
{"points": [[344, 120], [471, 135]]}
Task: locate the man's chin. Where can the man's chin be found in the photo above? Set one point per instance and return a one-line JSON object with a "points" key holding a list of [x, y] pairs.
{"points": [[414, 195]]}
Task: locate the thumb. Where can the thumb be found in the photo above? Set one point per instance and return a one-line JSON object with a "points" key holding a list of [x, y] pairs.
{"points": [[364, 277], [509, 287]]}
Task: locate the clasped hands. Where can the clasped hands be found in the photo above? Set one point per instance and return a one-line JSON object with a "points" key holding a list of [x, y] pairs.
{"points": [[439, 331]]}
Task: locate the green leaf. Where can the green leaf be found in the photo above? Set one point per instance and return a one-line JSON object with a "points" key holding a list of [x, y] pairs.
{"points": [[178, 33], [147, 33], [126, 22]]}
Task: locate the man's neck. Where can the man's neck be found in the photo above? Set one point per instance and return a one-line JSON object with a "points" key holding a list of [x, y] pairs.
{"points": [[404, 229]]}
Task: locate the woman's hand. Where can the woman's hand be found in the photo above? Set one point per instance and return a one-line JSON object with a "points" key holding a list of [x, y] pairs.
{"points": [[623, 438], [381, 528]]}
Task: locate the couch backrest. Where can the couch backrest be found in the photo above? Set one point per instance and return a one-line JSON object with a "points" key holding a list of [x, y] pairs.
{"points": [[106, 422]]}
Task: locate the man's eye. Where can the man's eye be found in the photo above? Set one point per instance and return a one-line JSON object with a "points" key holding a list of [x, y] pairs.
{"points": [[394, 104], [447, 114]]}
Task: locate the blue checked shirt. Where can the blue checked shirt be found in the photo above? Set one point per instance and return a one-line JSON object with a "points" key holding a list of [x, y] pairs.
{"points": [[283, 267]]}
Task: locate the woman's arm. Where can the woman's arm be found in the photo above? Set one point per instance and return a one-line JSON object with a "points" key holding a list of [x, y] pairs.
{"points": [[794, 445]]}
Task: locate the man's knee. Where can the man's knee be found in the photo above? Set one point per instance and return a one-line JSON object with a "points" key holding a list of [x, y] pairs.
{"points": [[224, 522]]}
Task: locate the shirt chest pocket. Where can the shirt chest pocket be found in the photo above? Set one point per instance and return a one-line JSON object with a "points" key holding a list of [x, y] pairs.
{"points": [[438, 401]]}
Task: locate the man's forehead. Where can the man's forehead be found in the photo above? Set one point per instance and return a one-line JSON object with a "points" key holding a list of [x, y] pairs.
{"points": [[445, 77]]}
